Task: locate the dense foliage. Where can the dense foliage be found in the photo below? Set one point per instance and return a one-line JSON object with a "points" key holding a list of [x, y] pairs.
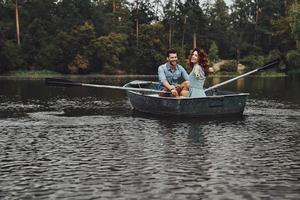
{"points": [[120, 36]]}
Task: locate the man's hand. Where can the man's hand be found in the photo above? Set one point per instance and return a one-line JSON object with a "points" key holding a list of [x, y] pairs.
{"points": [[174, 92]]}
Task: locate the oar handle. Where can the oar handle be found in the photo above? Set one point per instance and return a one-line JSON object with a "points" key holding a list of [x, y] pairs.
{"points": [[124, 88], [68, 83]]}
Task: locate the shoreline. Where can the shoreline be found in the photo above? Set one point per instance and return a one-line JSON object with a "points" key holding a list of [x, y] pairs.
{"points": [[41, 76]]}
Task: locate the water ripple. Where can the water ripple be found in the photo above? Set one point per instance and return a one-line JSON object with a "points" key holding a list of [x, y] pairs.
{"points": [[90, 148]]}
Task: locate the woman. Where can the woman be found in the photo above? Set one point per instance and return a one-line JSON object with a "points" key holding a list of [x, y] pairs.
{"points": [[198, 61]]}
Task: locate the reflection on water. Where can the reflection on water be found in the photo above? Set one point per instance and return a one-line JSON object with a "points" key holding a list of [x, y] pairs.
{"points": [[87, 143], [240, 84]]}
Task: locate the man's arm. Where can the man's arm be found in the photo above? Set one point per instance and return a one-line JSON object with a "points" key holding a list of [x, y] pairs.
{"points": [[167, 85], [172, 88], [162, 78]]}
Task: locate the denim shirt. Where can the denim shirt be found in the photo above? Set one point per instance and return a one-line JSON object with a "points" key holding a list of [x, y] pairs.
{"points": [[173, 77]]}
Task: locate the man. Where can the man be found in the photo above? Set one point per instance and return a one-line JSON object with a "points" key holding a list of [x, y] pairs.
{"points": [[173, 77]]}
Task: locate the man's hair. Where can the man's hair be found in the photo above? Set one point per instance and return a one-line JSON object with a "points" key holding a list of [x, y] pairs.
{"points": [[171, 51]]}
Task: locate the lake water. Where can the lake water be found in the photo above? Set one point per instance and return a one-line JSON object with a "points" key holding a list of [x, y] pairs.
{"points": [[87, 143]]}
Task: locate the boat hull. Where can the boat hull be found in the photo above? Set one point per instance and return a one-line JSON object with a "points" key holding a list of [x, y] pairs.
{"points": [[221, 104]]}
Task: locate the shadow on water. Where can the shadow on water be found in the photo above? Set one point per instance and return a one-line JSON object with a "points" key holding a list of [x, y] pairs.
{"points": [[187, 119]]}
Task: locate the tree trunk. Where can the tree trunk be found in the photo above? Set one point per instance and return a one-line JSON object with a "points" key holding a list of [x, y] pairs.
{"points": [[113, 10], [255, 27], [183, 31], [285, 8], [194, 40], [17, 23], [170, 36], [171, 24], [114, 6], [137, 23], [156, 9], [237, 56]]}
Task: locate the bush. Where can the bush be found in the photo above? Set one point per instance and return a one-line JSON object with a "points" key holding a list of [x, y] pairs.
{"points": [[252, 62], [3, 63], [293, 59], [230, 66], [14, 56], [78, 65], [274, 54]]}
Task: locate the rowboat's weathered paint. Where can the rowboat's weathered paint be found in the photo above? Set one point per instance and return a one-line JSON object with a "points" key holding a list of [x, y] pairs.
{"points": [[218, 104]]}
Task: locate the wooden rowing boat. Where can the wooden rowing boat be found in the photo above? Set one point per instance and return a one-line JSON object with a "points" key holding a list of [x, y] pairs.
{"points": [[216, 103]]}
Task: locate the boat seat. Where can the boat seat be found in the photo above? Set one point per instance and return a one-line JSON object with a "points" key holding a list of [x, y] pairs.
{"points": [[153, 95]]}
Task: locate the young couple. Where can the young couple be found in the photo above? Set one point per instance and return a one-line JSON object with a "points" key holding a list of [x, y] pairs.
{"points": [[174, 78]]}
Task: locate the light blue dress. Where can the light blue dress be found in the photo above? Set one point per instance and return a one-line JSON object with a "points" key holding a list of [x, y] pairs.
{"points": [[196, 85]]}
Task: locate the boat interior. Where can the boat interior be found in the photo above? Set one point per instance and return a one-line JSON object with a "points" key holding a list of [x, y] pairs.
{"points": [[155, 86]]}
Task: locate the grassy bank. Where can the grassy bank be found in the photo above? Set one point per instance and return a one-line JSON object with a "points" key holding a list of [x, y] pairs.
{"points": [[259, 74], [48, 73], [32, 74]]}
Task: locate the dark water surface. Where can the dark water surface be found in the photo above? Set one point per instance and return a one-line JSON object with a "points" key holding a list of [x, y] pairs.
{"points": [[87, 143]]}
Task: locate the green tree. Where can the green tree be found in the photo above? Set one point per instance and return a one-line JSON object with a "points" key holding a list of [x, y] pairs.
{"points": [[34, 40], [243, 26], [151, 52], [294, 13], [190, 25], [219, 20], [253, 23], [70, 13], [142, 13], [79, 36], [4, 62], [213, 52], [143, 10], [265, 13], [282, 33], [75, 46], [116, 16], [36, 45], [12, 56], [196, 24], [109, 52], [293, 59]]}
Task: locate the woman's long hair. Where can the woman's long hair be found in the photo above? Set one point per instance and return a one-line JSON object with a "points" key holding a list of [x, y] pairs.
{"points": [[203, 60]]}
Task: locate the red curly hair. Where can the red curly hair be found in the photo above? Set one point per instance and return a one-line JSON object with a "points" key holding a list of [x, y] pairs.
{"points": [[203, 59]]}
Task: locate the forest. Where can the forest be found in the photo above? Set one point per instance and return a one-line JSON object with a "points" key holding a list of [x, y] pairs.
{"points": [[131, 37]]}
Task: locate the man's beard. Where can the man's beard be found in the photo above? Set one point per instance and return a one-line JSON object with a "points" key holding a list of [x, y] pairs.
{"points": [[173, 63]]}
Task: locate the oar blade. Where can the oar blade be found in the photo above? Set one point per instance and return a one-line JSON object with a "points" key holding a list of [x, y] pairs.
{"points": [[267, 65], [60, 82], [270, 64]]}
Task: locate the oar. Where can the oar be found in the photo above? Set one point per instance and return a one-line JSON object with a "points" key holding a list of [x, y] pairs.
{"points": [[68, 83], [264, 67]]}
